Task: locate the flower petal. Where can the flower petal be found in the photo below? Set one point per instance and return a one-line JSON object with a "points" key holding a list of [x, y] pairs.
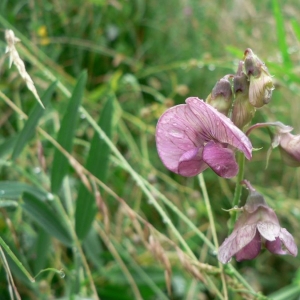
{"points": [[191, 163], [290, 149], [220, 159], [251, 250], [175, 135], [287, 240], [217, 127], [270, 231], [238, 239]]}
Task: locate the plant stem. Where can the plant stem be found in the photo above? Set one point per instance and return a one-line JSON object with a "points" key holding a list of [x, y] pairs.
{"points": [[238, 190], [213, 228]]}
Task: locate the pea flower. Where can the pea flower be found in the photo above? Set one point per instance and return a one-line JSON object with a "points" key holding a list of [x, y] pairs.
{"points": [[261, 84], [289, 144], [257, 226], [194, 136]]}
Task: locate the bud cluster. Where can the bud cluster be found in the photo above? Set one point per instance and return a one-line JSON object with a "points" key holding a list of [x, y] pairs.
{"points": [[239, 95]]}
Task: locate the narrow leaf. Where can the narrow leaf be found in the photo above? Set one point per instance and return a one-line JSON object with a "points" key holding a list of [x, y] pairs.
{"points": [[42, 247], [13, 190], [66, 134], [281, 36], [97, 164], [29, 128], [15, 260], [46, 217]]}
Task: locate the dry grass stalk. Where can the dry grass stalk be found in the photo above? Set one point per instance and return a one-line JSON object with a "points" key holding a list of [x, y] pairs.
{"points": [[101, 207], [160, 254], [15, 59], [186, 263]]}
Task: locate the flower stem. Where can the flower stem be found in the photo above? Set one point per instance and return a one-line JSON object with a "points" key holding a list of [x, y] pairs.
{"points": [[213, 228], [238, 190]]}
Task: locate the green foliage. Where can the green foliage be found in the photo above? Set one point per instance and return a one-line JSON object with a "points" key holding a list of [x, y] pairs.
{"points": [[87, 208]]}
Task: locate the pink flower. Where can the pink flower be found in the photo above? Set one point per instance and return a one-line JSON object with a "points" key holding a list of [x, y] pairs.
{"points": [[194, 136], [289, 144], [257, 225]]}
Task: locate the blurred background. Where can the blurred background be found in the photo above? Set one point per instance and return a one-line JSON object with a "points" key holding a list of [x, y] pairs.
{"points": [[85, 198]]}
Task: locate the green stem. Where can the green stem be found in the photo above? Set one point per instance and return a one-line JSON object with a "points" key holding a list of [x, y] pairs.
{"points": [[15, 259], [213, 228], [238, 190]]}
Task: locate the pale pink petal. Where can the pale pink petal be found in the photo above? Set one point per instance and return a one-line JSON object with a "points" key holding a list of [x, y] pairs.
{"points": [[217, 127], [288, 241], [220, 159], [238, 239], [175, 135], [269, 231], [251, 250], [290, 149]]}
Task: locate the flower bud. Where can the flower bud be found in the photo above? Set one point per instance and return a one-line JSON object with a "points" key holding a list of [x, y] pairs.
{"points": [[243, 111], [221, 96], [261, 85]]}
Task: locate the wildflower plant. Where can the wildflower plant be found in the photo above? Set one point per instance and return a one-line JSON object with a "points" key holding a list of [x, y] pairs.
{"points": [[201, 134]]}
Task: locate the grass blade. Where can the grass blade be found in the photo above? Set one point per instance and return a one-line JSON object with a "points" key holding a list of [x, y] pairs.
{"points": [[29, 128], [13, 190], [66, 134], [281, 34], [16, 260], [46, 217], [97, 163]]}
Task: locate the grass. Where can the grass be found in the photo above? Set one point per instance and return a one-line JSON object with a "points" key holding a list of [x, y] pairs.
{"points": [[88, 210]]}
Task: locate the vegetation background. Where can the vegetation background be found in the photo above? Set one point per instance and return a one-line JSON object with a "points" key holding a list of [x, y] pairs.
{"points": [[87, 209]]}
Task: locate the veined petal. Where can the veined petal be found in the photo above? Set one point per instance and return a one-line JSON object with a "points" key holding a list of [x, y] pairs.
{"points": [[290, 149], [176, 135], [220, 159], [251, 250], [270, 231], [288, 241], [191, 163], [238, 239], [217, 127]]}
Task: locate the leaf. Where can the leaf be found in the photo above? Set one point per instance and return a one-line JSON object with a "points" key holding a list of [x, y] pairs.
{"points": [[14, 190], [18, 266], [281, 36], [29, 128], [42, 247], [46, 217], [8, 145], [66, 134], [97, 163]]}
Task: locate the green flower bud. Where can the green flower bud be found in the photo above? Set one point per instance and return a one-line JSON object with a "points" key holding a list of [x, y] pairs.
{"points": [[261, 84], [243, 111], [221, 96]]}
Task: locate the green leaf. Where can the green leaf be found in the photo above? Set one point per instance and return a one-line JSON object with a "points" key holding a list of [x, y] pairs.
{"points": [[14, 190], [29, 128], [97, 163], [8, 145], [281, 36], [42, 247], [18, 266], [46, 217], [66, 134]]}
